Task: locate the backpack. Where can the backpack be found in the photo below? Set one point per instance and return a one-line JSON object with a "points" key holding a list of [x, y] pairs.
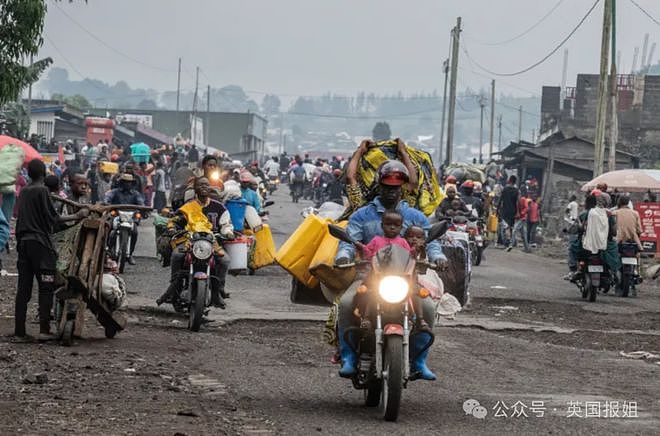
{"points": [[299, 173]]}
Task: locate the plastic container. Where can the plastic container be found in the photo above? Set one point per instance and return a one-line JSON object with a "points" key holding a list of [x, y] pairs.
{"points": [[264, 250], [237, 250], [322, 264], [236, 209], [140, 152], [296, 254], [109, 167]]}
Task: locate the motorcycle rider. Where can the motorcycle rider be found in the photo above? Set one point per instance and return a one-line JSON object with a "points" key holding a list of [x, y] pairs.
{"points": [[446, 203], [335, 189], [363, 225], [220, 222], [470, 199], [249, 194], [126, 194]]}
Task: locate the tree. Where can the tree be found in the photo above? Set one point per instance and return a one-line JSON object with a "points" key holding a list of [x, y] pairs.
{"points": [[270, 104], [147, 104], [21, 24], [14, 120], [79, 101], [381, 131]]}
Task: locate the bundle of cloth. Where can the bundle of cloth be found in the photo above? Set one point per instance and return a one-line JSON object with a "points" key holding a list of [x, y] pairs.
{"points": [[425, 197]]}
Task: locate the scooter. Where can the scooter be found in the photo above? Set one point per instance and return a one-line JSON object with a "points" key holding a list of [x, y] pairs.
{"points": [[122, 229]]}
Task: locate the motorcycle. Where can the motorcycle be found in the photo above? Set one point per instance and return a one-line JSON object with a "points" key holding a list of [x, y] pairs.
{"points": [[123, 223], [475, 228], [272, 184], [629, 269], [592, 276], [194, 296], [388, 325]]}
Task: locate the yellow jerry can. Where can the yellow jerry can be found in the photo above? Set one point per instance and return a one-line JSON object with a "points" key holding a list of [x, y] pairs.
{"points": [[296, 254], [322, 263], [264, 250]]}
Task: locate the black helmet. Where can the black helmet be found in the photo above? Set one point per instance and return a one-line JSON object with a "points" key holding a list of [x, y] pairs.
{"points": [[393, 173]]}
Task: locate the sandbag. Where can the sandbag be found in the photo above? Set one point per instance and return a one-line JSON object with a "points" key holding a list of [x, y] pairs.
{"points": [[464, 171], [11, 159], [456, 277], [113, 291]]}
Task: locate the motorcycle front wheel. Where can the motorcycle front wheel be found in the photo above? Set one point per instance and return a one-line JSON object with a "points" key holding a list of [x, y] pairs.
{"points": [[123, 250], [197, 305], [392, 378]]}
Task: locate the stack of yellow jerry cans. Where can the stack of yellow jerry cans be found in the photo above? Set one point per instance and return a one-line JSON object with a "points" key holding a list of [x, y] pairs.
{"points": [[308, 255]]}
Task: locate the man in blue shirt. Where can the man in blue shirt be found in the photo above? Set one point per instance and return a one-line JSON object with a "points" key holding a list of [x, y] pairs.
{"points": [[249, 194], [363, 225]]}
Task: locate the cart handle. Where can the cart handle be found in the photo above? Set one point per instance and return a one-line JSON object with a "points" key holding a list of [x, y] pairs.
{"points": [[101, 208]]}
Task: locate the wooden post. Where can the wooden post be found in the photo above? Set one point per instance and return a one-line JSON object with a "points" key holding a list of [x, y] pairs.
{"points": [[456, 34], [601, 115]]}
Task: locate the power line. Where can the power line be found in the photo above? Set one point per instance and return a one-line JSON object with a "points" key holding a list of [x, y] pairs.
{"points": [[532, 27], [119, 52], [645, 12], [545, 58], [361, 117]]}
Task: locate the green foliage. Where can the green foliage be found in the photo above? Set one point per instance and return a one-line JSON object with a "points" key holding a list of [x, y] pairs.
{"points": [[14, 120], [21, 24], [77, 100]]}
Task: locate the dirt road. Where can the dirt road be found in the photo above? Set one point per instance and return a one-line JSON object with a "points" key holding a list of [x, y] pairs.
{"points": [[528, 345]]}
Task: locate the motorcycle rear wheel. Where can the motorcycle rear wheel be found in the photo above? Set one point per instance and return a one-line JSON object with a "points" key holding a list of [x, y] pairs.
{"points": [[392, 378], [591, 289], [197, 306], [625, 284]]}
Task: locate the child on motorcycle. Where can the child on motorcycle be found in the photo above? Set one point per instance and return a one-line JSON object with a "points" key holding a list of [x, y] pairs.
{"points": [[392, 223]]}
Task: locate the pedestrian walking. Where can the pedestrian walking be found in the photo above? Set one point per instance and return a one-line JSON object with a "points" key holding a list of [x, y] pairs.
{"points": [[160, 196], [508, 207], [533, 218], [520, 224]]}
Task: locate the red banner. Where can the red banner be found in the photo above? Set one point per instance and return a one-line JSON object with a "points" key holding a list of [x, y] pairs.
{"points": [[649, 213]]}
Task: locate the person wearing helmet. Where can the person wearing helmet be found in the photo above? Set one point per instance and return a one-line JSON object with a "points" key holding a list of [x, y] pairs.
{"points": [[363, 225], [126, 194], [472, 200], [247, 193]]}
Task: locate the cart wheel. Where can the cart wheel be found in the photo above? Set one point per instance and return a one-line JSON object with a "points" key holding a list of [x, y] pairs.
{"points": [[110, 332], [67, 333]]}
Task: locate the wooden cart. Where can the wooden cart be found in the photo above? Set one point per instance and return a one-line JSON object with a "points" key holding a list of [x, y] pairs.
{"points": [[84, 279]]}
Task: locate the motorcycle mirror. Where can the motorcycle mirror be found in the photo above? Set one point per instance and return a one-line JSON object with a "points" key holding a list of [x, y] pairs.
{"points": [[340, 233], [268, 203], [437, 230]]}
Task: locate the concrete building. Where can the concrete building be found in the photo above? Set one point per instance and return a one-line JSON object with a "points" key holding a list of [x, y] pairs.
{"points": [[241, 135], [58, 121], [574, 113]]}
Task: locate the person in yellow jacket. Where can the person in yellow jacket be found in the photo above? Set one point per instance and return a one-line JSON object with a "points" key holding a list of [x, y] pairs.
{"points": [[201, 214]]}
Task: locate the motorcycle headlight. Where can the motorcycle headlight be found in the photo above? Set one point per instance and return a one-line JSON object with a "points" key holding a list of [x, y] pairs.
{"points": [[202, 250], [393, 289]]}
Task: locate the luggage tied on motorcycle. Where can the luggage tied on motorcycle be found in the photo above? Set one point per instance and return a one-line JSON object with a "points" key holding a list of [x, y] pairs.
{"points": [[262, 251], [308, 255], [11, 159], [425, 197]]}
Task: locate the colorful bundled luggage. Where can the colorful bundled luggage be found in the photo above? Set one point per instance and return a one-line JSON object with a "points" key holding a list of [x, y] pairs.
{"points": [[427, 195]]}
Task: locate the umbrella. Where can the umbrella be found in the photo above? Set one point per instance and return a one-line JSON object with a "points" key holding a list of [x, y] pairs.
{"points": [[30, 152], [628, 180]]}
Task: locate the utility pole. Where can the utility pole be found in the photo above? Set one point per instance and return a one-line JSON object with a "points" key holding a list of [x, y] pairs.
{"points": [[482, 105], [614, 98], [645, 48], [519, 124], [634, 63], [178, 94], [601, 115], [29, 105], [208, 116], [564, 74], [445, 67], [499, 128], [492, 119], [456, 34], [193, 133]]}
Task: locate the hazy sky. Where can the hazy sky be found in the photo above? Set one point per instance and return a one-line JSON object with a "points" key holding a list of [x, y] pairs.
{"points": [[344, 46]]}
